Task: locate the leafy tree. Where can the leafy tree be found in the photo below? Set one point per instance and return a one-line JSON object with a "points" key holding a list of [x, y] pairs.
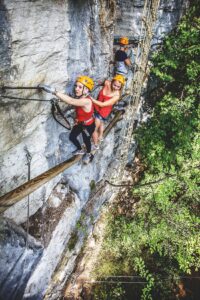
{"points": [[160, 241]]}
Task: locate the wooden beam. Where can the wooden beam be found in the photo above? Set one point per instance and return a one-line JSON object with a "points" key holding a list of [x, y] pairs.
{"points": [[30, 186]]}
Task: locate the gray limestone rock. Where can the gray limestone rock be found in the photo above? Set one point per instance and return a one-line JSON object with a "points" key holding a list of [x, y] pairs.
{"points": [[16, 260], [53, 42]]}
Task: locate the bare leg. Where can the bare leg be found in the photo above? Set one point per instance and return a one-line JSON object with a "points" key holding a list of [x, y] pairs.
{"points": [[95, 135], [101, 130]]}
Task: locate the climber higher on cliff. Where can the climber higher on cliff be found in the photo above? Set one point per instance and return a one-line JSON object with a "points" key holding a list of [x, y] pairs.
{"points": [[108, 96], [122, 62], [84, 122]]}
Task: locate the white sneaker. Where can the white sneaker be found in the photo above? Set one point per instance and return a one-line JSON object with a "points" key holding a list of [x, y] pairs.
{"points": [[78, 152], [95, 147]]}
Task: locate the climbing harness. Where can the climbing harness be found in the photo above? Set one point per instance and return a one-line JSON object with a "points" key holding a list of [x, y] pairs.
{"points": [[58, 114], [29, 158]]}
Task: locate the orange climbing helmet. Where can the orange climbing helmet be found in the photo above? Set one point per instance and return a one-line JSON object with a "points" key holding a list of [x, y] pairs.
{"points": [[119, 78], [124, 40], [86, 81]]}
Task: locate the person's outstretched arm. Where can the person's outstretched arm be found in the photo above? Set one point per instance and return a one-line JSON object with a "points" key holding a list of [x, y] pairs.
{"points": [[69, 100], [112, 101], [65, 98]]}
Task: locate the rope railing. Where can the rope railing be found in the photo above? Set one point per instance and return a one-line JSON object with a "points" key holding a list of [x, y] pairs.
{"points": [[141, 58], [146, 33]]}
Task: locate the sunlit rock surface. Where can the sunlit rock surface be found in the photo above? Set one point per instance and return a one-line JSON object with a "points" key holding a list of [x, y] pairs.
{"points": [[129, 14], [61, 40], [17, 262], [53, 42]]}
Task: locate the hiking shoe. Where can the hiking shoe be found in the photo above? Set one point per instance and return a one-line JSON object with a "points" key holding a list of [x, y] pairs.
{"points": [[88, 157], [78, 152], [95, 147]]}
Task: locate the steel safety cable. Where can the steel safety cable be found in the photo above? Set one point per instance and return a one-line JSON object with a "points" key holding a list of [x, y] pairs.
{"points": [[23, 99], [4, 87]]}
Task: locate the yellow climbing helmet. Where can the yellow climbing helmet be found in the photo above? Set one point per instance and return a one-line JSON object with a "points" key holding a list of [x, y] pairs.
{"points": [[86, 81], [124, 40], [119, 78]]}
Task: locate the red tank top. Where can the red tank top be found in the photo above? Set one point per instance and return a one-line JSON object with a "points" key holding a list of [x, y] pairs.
{"points": [[83, 116], [103, 111]]}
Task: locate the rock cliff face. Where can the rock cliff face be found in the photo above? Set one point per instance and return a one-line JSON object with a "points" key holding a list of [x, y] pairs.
{"points": [[128, 17], [19, 262], [53, 42]]}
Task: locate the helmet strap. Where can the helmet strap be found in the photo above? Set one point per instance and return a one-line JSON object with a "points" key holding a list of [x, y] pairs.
{"points": [[77, 97], [85, 93]]}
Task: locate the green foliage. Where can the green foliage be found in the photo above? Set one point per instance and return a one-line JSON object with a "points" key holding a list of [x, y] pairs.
{"points": [[73, 240], [92, 185], [108, 291], [167, 138], [81, 225], [170, 144], [161, 240], [144, 273]]}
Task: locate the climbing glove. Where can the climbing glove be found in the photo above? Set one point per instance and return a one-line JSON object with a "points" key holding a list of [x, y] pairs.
{"points": [[47, 88]]}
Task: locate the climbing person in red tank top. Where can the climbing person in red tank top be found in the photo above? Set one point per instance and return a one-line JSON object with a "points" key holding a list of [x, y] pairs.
{"points": [[108, 96], [84, 121]]}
